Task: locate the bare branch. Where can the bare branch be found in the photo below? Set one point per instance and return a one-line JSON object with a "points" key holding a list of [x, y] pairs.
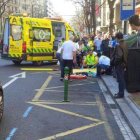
{"points": [[2, 7]]}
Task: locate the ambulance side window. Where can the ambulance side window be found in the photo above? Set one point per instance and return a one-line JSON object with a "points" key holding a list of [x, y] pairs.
{"points": [[41, 34], [16, 32], [71, 33]]}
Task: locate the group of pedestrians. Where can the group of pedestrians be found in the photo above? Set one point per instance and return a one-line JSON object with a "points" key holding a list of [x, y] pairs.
{"points": [[86, 53], [107, 53]]}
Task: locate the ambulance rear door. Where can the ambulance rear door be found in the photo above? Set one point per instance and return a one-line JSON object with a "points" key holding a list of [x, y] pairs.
{"points": [[5, 44], [15, 38]]}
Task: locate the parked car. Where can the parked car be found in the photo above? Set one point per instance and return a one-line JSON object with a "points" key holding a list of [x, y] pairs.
{"points": [[1, 102]]}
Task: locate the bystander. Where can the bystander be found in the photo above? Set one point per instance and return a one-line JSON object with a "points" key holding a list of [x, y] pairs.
{"points": [[119, 60]]}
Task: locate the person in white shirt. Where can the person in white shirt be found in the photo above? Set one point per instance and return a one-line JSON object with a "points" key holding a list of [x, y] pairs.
{"points": [[68, 55], [78, 54], [103, 63], [58, 56]]}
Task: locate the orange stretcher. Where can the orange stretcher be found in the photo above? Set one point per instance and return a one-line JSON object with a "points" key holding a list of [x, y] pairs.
{"points": [[79, 77]]}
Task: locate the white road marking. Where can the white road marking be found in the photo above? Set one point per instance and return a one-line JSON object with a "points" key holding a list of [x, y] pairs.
{"points": [[15, 77]]}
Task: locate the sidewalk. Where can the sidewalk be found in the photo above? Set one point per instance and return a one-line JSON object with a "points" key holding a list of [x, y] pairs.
{"points": [[129, 106]]}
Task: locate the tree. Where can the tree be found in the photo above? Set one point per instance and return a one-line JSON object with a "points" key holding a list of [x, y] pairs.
{"points": [[2, 6], [111, 15], [78, 21], [85, 4], [2, 10]]}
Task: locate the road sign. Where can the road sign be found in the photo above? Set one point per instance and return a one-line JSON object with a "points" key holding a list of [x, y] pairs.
{"points": [[127, 9]]}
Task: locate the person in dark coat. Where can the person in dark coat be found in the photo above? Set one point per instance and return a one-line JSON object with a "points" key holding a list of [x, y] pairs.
{"points": [[104, 46], [119, 60]]}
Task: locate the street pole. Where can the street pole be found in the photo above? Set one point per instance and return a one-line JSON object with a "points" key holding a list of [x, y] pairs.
{"points": [[32, 10], [0, 19], [66, 84], [125, 27]]}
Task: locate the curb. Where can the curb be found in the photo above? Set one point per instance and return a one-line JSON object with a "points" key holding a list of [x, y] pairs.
{"points": [[127, 107]]}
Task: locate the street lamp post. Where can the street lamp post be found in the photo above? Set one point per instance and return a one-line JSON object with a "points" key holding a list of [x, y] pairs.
{"points": [[32, 10]]}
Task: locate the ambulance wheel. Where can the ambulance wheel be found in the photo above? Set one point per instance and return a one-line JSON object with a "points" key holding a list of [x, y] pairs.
{"points": [[37, 63], [16, 62], [1, 105]]}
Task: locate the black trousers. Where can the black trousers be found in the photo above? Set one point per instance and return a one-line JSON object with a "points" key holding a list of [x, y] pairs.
{"points": [[120, 78], [67, 63]]}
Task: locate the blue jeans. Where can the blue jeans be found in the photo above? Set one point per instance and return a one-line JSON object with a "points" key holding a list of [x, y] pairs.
{"points": [[120, 77], [101, 66], [58, 56]]}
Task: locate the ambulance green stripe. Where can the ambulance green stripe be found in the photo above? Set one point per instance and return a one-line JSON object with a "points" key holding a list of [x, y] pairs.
{"points": [[38, 23], [28, 50], [46, 50], [14, 55], [18, 55], [49, 50], [38, 50], [34, 50], [42, 50]]}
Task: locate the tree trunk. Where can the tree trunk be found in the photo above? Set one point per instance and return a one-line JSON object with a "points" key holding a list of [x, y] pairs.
{"points": [[93, 10], [111, 16], [87, 22]]}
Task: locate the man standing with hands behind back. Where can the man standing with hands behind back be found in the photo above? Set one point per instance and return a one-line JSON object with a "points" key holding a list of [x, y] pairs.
{"points": [[68, 55]]}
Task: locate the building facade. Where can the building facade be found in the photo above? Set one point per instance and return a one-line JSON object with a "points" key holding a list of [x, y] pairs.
{"points": [[118, 24]]}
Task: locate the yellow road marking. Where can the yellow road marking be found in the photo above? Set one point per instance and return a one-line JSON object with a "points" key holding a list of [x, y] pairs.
{"points": [[36, 69], [56, 72], [58, 101], [69, 86], [72, 131], [63, 103], [64, 111], [55, 90], [40, 92], [103, 114], [39, 72]]}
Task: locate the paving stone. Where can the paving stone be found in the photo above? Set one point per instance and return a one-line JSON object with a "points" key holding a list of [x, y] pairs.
{"points": [[126, 137], [131, 118]]}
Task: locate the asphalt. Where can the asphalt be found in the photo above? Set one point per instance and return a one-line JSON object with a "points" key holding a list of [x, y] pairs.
{"points": [[127, 105], [87, 116]]}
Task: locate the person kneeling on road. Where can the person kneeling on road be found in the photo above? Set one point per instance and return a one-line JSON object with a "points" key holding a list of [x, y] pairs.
{"points": [[103, 64], [91, 60]]}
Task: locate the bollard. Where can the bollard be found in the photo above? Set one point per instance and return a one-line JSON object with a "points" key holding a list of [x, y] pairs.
{"points": [[66, 84]]}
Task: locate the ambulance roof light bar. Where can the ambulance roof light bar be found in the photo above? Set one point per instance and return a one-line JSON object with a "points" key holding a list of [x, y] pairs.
{"points": [[54, 18], [19, 14]]}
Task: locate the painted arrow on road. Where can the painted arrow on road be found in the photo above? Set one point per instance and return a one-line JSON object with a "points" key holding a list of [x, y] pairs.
{"points": [[15, 77]]}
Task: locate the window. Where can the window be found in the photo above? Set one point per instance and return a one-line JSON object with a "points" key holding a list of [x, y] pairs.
{"points": [[41, 35], [72, 33], [16, 32], [58, 33]]}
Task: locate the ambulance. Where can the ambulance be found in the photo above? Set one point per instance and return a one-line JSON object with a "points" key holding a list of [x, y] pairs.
{"points": [[33, 39]]}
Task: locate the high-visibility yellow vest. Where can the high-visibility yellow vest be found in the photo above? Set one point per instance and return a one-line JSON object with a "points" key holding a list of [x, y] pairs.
{"points": [[91, 60], [91, 44]]}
